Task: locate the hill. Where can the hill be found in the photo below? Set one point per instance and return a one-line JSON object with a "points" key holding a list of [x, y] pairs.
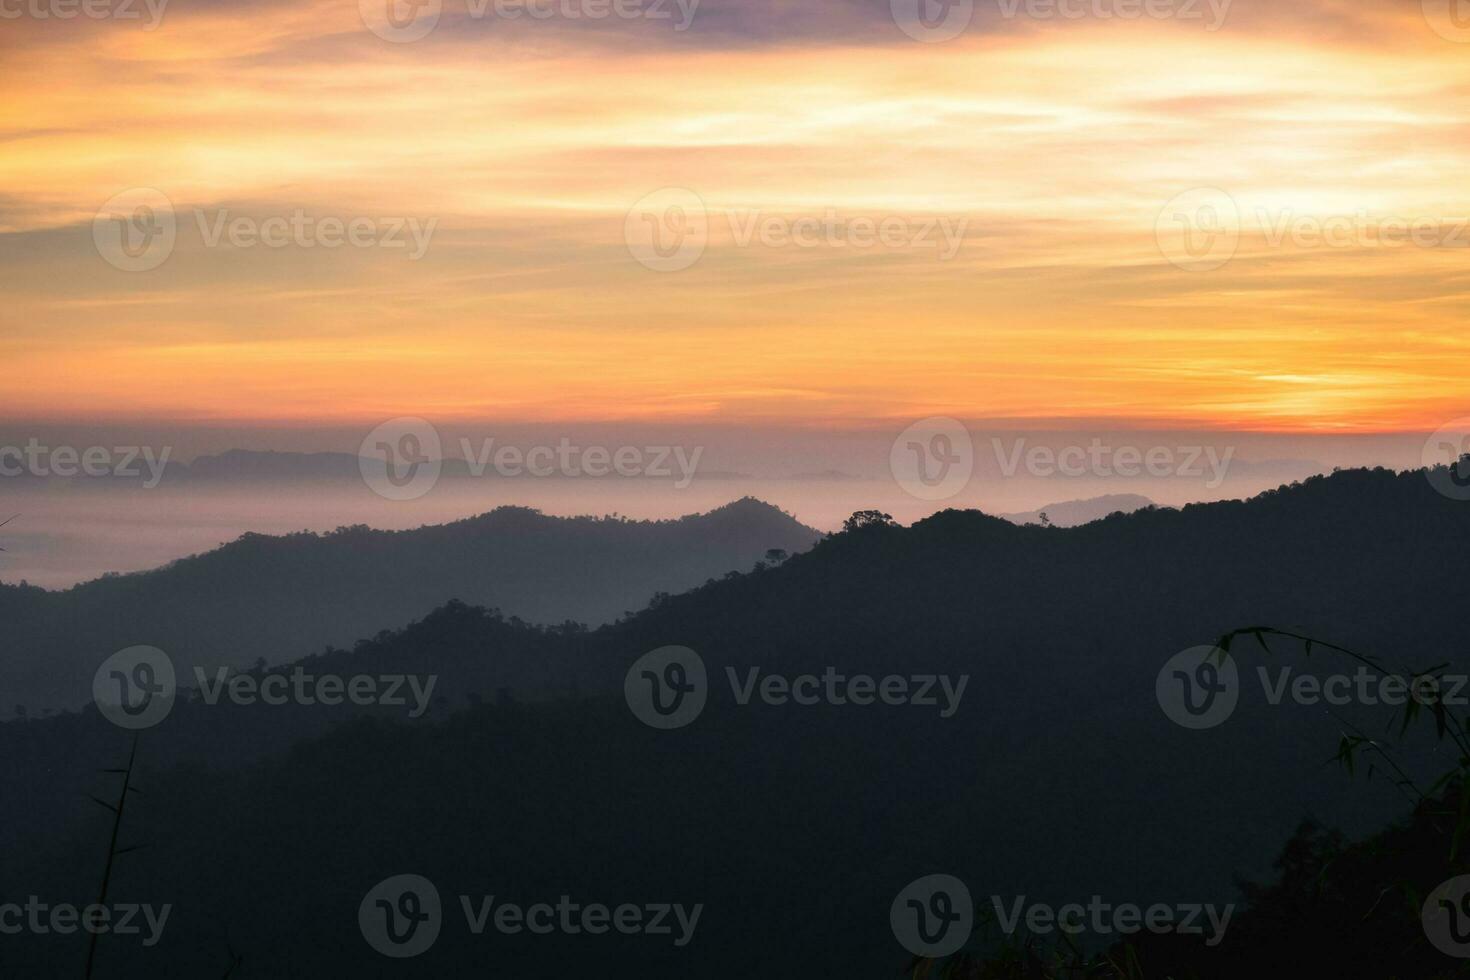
{"points": [[1056, 777], [280, 598], [1070, 513]]}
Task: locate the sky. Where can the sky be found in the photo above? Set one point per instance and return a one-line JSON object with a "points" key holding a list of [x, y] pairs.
{"points": [[1246, 216]]}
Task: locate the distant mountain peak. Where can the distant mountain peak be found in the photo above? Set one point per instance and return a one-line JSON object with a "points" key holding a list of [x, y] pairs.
{"points": [[747, 505], [1071, 513]]}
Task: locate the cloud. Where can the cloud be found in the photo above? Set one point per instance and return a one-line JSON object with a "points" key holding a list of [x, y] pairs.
{"points": [[1056, 142]]}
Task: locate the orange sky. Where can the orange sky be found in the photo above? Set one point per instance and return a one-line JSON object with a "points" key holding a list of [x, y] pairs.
{"points": [[1056, 146]]}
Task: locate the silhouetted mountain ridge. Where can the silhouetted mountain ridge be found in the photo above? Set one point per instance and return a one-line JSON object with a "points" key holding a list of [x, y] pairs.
{"points": [[279, 597], [1070, 513], [1058, 778]]}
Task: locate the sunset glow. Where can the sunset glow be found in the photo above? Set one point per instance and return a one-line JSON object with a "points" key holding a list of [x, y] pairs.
{"points": [[1054, 146]]}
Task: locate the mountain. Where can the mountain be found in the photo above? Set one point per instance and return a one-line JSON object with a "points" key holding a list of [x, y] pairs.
{"points": [[1057, 777], [279, 598], [1071, 513]]}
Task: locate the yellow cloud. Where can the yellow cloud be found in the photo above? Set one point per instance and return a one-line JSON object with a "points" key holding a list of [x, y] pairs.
{"points": [[1055, 150]]}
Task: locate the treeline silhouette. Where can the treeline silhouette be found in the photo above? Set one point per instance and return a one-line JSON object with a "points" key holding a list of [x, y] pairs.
{"points": [[1058, 778]]}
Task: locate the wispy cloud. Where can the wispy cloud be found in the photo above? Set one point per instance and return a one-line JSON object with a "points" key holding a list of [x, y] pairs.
{"points": [[1055, 144]]}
